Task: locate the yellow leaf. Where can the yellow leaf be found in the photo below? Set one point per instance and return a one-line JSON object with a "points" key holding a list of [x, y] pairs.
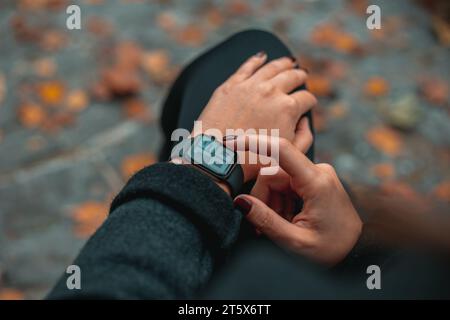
{"points": [[136, 162], [376, 87], [88, 217], [385, 140], [31, 115], [51, 92]]}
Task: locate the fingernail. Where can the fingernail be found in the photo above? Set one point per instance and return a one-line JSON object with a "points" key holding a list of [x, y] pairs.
{"points": [[229, 137], [293, 59], [304, 69], [260, 54], [243, 205], [296, 66]]}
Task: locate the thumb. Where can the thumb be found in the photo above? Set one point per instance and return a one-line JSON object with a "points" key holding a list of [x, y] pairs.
{"points": [[265, 219]]}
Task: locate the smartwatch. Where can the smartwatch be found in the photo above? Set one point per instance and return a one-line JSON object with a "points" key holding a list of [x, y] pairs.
{"points": [[215, 159]]}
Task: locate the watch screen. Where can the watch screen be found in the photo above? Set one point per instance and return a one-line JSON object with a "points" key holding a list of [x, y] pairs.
{"points": [[212, 155]]}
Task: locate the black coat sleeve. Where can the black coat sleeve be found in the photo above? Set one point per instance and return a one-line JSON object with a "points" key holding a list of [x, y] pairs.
{"points": [[167, 230]]}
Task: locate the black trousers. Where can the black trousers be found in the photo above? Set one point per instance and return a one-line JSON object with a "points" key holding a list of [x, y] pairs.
{"points": [[195, 85]]}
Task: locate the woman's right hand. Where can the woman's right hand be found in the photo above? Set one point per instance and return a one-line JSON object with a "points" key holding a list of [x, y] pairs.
{"points": [[327, 227]]}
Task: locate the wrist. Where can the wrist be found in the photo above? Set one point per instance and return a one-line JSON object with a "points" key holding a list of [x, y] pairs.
{"points": [[222, 185]]}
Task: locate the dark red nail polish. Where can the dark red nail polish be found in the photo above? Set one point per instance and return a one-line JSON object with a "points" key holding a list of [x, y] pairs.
{"points": [[296, 66], [293, 59], [243, 205]]}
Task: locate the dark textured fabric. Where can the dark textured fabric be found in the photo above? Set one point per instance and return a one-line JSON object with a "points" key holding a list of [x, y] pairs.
{"points": [[167, 230]]}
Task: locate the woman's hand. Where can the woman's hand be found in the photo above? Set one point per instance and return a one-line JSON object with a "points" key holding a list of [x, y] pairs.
{"points": [[328, 226], [258, 96]]}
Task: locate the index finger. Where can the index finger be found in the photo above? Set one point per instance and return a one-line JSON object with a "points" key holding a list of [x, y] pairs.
{"points": [[290, 159]]}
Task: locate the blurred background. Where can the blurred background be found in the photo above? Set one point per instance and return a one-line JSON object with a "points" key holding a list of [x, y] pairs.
{"points": [[79, 108]]}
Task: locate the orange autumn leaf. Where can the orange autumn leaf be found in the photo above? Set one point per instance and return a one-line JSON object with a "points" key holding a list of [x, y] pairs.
{"points": [[401, 189], [11, 294], [77, 100], [383, 170], [345, 43], [136, 109], [376, 87], [385, 140], [53, 40], [134, 163], [31, 115], [44, 67], [324, 34], [435, 91], [121, 81], [167, 21], [238, 7], [155, 62], [319, 85], [191, 35], [442, 191], [51, 92], [88, 217], [214, 17], [338, 110], [128, 54]]}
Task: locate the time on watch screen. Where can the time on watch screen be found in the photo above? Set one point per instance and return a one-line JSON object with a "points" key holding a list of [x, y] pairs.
{"points": [[212, 155]]}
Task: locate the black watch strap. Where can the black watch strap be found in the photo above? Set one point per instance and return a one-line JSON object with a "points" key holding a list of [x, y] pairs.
{"points": [[235, 180]]}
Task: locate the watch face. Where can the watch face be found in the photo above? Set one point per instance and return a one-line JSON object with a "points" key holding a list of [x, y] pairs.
{"points": [[212, 155]]}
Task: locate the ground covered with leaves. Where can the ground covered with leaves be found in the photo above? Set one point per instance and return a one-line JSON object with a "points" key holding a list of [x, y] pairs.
{"points": [[79, 109]]}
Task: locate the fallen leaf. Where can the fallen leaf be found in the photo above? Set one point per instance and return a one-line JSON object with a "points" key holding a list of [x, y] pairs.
{"points": [[376, 87], [88, 217], [128, 54], [11, 294], [338, 110], [137, 109], [53, 40], [167, 21], [155, 62], [332, 36], [99, 26], [51, 92], [191, 35], [100, 91], [121, 81], [401, 189], [238, 7], [442, 30], [435, 90], [215, 17], [442, 191], [319, 85], [324, 34], [31, 115], [385, 140], [45, 67], [77, 100], [134, 163], [346, 43], [383, 171]]}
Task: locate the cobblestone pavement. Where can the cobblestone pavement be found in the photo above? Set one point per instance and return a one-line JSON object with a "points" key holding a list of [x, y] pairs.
{"points": [[68, 142]]}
